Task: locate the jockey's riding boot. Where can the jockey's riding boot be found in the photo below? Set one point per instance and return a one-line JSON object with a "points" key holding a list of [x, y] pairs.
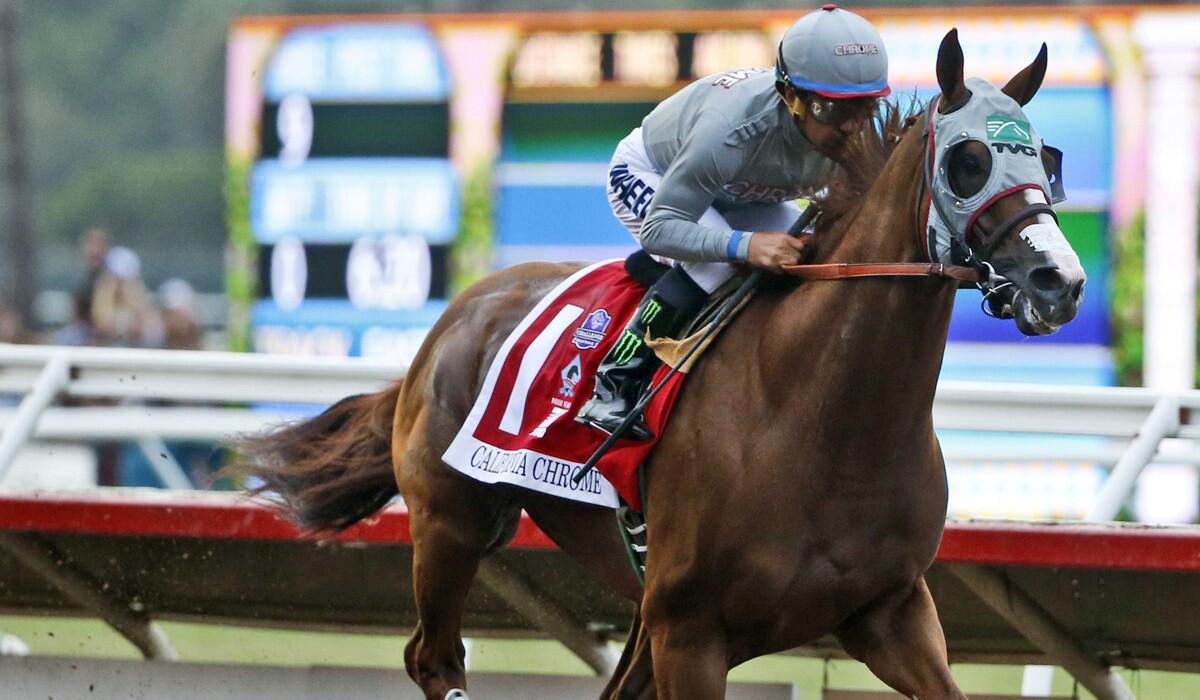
{"points": [[625, 372]]}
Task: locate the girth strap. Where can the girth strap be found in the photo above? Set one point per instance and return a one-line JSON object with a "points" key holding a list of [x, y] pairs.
{"points": [[834, 271]]}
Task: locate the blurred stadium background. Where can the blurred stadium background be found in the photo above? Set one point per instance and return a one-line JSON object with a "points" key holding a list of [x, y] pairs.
{"points": [[319, 178]]}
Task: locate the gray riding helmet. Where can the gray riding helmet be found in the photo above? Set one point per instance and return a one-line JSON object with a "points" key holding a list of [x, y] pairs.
{"points": [[834, 53]]}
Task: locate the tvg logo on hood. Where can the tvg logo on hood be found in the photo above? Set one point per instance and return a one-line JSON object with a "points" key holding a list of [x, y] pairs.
{"points": [[1001, 127]]}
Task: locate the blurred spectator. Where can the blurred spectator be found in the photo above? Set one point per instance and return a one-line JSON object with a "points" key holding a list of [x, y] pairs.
{"points": [[122, 312], [94, 245], [178, 302], [181, 332], [78, 331], [12, 330]]}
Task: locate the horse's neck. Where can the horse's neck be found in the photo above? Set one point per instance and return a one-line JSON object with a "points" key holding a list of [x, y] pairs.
{"points": [[873, 345], [884, 228]]}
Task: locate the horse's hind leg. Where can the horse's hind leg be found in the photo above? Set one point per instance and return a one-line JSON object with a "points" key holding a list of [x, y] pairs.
{"points": [[442, 573], [454, 522], [901, 640]]}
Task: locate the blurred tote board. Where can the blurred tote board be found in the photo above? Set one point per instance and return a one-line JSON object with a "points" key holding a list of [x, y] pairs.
{"points": [[375, 161]]}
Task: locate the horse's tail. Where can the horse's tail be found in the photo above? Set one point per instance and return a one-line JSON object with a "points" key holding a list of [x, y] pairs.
{"points": [[330, 471]]}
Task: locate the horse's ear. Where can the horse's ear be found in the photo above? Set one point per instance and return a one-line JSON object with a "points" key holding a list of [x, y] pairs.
{"points": [[950, 73], [1024, 85]]}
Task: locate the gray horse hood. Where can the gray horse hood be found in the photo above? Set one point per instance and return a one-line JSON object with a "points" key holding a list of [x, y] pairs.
{"points": [[997, 121]]}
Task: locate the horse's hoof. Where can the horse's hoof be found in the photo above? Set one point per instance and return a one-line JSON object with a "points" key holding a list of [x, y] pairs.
{"points": [[455, 694]]}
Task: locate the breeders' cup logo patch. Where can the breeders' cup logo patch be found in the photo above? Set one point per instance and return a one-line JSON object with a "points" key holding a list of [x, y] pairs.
{"points": [[570, 377], [1001, 127], [592, 331]]}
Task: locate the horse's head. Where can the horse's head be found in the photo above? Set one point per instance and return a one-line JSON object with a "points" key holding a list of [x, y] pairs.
{"points": [[992, 181]]}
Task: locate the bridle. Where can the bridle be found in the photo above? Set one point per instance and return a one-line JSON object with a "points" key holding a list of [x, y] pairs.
{"points": [[968, 264]]}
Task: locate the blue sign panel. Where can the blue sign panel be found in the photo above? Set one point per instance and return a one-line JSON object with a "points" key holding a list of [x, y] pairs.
{"points": [[358, 61], [337, 200]]}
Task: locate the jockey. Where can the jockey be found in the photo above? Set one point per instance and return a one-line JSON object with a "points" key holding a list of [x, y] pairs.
{"points": [[710, 179]]}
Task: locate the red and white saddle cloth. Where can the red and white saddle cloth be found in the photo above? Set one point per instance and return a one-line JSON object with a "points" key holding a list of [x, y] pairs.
{"points": [[522, 428]]}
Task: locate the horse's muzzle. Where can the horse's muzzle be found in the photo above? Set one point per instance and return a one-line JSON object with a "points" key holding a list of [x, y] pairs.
{"points": [[1050, 299]]}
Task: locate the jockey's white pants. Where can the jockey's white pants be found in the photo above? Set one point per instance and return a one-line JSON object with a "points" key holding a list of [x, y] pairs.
{"points": [[631, 152]]}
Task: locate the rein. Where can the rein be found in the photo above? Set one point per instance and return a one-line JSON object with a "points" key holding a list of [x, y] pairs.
{"points": [[837, 271]]}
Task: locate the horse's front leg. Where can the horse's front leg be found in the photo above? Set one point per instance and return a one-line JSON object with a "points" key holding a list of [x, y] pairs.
{"points": [[689, 648], [633, 678], [900, 639]]}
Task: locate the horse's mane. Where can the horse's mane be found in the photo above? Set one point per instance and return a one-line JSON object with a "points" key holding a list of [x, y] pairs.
{"points": [[846, 191], [867, 154]]}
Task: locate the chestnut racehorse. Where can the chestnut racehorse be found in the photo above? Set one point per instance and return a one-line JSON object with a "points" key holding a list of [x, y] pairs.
{"points": [[799, 489]]}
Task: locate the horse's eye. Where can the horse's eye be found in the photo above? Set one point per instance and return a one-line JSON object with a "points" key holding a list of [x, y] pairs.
{"points": [[970, 164]]}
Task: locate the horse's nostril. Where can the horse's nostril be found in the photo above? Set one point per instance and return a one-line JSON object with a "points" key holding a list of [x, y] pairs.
{"points": [[1046, 279], [1077, 290]]}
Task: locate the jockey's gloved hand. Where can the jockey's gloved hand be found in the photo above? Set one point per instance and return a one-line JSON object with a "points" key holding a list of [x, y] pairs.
{"points": [[771, 249]]}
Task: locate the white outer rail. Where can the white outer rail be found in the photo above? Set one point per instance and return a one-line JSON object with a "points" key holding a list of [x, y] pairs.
{"points": [[51, 379], [88, 424], [42, 373], [185, 375], [1137, 420]]}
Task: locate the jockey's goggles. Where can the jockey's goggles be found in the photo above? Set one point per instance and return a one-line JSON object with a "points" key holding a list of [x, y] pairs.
{"points": [[834, 112]]}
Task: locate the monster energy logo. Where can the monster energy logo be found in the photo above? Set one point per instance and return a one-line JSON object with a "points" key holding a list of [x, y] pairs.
{"points": [[651, 311], [1001, 127], [626, 347]]}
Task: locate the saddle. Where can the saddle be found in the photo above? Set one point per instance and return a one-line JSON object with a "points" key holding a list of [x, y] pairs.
{"points": [[645, 270], [521, 428]]}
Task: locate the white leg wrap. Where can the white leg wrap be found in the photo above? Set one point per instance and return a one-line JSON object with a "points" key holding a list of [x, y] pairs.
{"points": [[456, 694]]}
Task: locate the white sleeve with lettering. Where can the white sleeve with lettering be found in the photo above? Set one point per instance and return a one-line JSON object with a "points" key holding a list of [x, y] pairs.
{"points": [[704, 164]]}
